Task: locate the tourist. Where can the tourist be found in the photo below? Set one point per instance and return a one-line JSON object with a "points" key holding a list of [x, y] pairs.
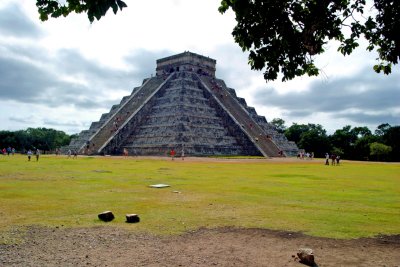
{"points": [[75, 154], [172, 154], [37, 153], [183, 152], [29, 153], [337, 160], [12, 151], [326, 159], [125, 152], [333, 157], [69, 153]]}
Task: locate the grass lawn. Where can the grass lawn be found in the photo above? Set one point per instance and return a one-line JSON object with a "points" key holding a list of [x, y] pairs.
{"points": [[353, 200]]}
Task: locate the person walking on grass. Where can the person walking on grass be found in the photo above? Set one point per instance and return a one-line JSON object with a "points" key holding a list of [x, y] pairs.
{"points": [[333, 160], [172, 154], [29, 153], [37, 153], [125, 152]]}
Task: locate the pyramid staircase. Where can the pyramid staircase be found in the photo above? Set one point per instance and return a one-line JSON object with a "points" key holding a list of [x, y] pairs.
{"points": [[254, 131], [91, 141]]}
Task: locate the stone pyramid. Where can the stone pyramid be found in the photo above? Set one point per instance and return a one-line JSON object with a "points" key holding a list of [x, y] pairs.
{"points": [[185, 108]]}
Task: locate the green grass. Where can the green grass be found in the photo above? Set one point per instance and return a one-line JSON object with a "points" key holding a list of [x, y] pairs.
{"points": [[352, 200]]}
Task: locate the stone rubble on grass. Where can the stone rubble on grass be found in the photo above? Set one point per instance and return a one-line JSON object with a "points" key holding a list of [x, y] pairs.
{"points": [[306, 256], [132, 218], [106, 216]]}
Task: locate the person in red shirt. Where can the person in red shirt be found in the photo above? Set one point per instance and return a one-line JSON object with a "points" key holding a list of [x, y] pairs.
{"points": [[172, 153]]}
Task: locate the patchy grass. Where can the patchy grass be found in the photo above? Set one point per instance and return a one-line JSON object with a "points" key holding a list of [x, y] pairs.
{"points": [[352, 200]]}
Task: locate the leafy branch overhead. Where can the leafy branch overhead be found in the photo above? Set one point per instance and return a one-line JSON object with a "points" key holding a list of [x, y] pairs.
{"points": [[285, 35], [93, 8]]}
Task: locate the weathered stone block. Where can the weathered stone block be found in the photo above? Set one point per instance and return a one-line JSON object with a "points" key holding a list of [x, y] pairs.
{"points": [[106, 216], [132, 218]]}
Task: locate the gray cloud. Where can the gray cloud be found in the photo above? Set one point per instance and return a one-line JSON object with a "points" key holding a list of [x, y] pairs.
{"points": [[144, 62], [13, 22], [21, 81], [58, 123], [231, 68], [31, 77], [364, 98], [27, 119]]}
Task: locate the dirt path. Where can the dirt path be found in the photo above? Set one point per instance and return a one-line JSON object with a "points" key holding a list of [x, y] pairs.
{"points": [[108, 246]]}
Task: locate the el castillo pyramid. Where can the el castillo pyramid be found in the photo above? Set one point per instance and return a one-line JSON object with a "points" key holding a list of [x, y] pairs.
{"points": [[184, 107]]}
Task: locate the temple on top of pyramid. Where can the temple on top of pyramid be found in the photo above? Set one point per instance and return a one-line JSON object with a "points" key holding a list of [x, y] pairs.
{"points": [[185, 108], [187, 61]]}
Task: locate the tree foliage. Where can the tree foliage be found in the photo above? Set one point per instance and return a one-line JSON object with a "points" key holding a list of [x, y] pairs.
{"points": [[43, 138], [95, 9], [286, 35], [349, 143], [294, 132], [311, 137], [279, 124], [379, 150]]}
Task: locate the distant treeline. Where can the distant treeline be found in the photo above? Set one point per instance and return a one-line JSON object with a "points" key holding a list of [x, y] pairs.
{"points": [[47, 140], [357, 143]]}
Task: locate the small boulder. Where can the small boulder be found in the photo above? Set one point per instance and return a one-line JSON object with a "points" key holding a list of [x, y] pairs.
{"points": [[306, 256], [106, 216], [132, 218]]}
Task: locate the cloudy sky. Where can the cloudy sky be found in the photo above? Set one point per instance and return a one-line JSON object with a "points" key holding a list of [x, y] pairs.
{"points": [[66, 72]]}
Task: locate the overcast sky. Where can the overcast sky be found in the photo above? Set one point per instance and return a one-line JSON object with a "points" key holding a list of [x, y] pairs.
{"points": [[64, 73]]}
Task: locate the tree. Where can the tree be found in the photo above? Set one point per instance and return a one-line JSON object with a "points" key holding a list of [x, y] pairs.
{"points": [[382, 129], [379, 150], [361, 150], [294, 132], [344, 139], [311, 137], [93, 8], [279, 124], [285, 35], [361, 131], [31, 138], [7, 139], [362, 138], [314, 140], [391, 138]]}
